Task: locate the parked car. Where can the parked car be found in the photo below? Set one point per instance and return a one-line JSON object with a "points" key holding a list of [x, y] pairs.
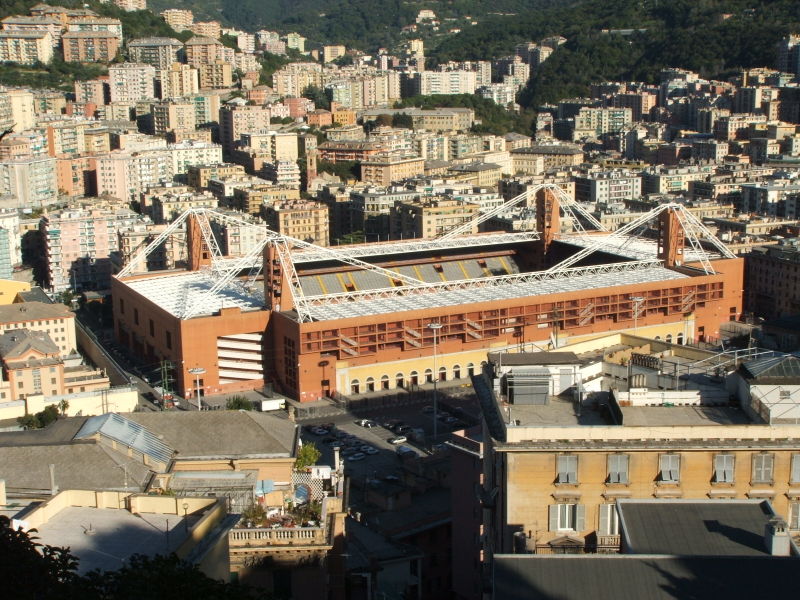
{"points": [[401, 428], [366, 423], [349, 451], [371, 450], [405, 451], [356, 456], [400, 439], [391, 478], [427, 409]]}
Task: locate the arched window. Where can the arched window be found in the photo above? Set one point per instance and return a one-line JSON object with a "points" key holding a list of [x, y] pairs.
{"points": [[456, 371], [399, 380], [658, 337], [355, 386], [669, 338], [679, 340], [414, 378], [470, 369], [442, 373], [384, 382], [428, 376], [370, 384]]}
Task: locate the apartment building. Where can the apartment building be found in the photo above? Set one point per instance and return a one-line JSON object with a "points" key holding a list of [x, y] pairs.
{"points": [[771, 280], [167, 207], [26, 47], [283, 173], [383, 169], [278, 144], [292, 79], [430, 217], [331, 53], [52, 319], [89, 46], [771, 199], [95, 23], [178, 19], [31, 181], [178, 80], [199, 175], [428, 83], [555, 463], [236, 118], [34, 24], [595, 122], [301, 219], [93, 91], [78, 245], [216, 75], [251, 199], [672, 180], [206, 29], [131, 82], [159, 52], [607, 187], [17, 110], [201, 50], [130, 5], [173, 116], [296, 41]]}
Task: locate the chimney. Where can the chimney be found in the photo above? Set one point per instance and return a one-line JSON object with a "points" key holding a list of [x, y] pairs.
{"points": [[53, 486], [337, 461], [776, 537]]}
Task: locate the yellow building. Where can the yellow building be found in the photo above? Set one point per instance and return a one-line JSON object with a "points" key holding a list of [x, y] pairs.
{"points": [[430, 217], [555, 460], [10, 288], [301, 219], [26, 47], [383, 170]]}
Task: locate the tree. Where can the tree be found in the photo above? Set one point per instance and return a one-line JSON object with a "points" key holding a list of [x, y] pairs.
{"points": [[238, 403], [318, 96], [403, 121], [29, 422], [307, 455], [63, 406]]}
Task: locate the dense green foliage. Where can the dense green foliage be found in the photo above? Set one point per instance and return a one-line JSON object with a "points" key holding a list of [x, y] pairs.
{"points": [[343, 169], [307, 455], [318, 96], [493, 118], [238, 403], [30, 569], [58, 74], [688, 34], [41, 419]]}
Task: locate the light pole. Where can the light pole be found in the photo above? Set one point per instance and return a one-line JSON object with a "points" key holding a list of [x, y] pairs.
{"points": [[637, 304], [435, 327], [185, 517], [197, 371]]}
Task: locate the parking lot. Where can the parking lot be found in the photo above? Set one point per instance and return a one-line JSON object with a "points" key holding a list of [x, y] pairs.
{"points": [[383, 461]]}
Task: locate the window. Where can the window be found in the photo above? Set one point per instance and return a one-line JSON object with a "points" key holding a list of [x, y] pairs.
{"points": [[794, 515], [567, 467], [795, 475], [355, 387], [670, 467], [723, 468], [617, 468], [567, 517], [169, 340], [762, 468], [609, 520]]}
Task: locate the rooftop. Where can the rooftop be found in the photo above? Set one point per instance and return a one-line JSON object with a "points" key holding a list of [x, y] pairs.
{"points": [[174, 293], [696, 528], [635, 577], [117, 535]]}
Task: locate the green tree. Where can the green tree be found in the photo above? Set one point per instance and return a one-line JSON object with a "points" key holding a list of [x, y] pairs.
{"points": [[318, 96], [238, 403], [307, 455], [29, 422], [402, 121]]}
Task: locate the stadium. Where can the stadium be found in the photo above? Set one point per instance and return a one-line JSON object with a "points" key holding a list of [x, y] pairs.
{"points": [[350, 320]]}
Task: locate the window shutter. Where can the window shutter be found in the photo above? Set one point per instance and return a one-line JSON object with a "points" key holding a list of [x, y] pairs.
{"points": [[580, 517], [553, 514], [794, 515], [604, 518], [795, 468]]}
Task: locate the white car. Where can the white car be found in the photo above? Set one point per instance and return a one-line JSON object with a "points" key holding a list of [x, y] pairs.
{"points": [[400, 439]]}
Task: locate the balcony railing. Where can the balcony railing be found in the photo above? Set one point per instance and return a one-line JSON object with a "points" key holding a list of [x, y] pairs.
{"points": [[281, 536]]}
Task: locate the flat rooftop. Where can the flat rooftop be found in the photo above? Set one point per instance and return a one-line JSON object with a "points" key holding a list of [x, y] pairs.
{"points": [[676, 416], [557, 412], [178, 291], [103, 538]]}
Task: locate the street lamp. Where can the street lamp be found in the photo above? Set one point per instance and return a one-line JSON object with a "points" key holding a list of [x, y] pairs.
{"points": [[197, 371], [185, 517], [637, 300], [435, 327]]}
